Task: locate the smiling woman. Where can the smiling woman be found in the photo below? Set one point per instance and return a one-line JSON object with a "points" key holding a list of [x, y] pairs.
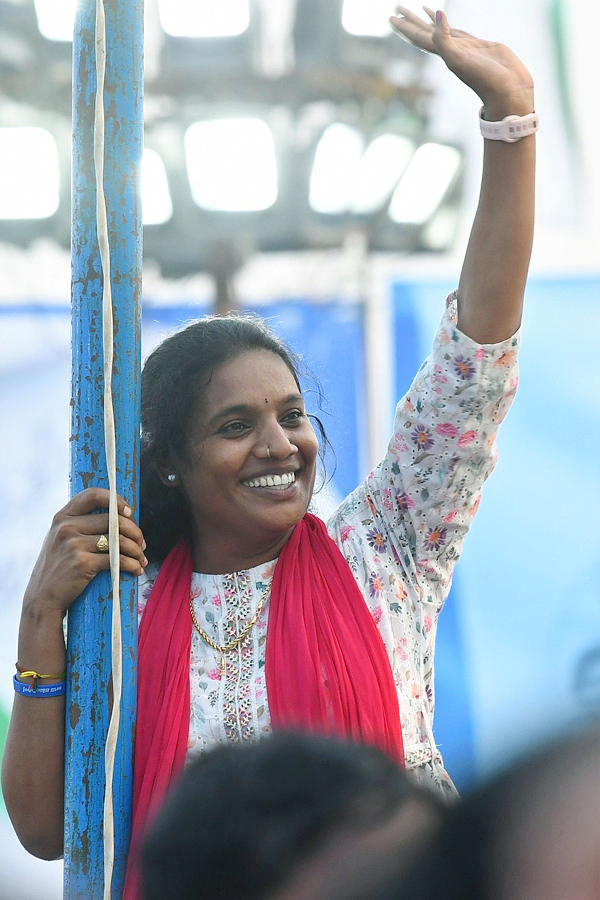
{"points": [[255, 615], [248, 468], [234, 453], [222, 411]]}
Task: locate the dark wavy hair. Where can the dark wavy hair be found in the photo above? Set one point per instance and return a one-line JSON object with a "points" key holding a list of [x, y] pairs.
{"points": [[174, 377]]}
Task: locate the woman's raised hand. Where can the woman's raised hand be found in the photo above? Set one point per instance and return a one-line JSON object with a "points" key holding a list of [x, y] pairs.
{"points": [[492, 70], [70, 558]]}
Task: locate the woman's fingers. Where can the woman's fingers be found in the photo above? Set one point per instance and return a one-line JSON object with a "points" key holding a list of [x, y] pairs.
{"points": [[71, 556], [414, 29], [128, 563], [490, 69], [70, 528], [129, 548], [98, 524], [94, 498], [429, 36], [79, 517]]}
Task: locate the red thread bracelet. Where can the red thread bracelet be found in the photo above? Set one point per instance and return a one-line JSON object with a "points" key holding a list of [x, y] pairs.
{"points": [[36, 675]]}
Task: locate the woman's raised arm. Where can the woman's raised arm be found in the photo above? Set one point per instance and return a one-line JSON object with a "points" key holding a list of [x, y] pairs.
{"points": [[494, 272]]}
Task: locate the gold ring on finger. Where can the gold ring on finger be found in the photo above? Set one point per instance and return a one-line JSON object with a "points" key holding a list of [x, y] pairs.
{"points": [[102, 544]]}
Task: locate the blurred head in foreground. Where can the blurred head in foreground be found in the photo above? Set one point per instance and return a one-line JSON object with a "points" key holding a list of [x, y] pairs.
{"points": [[531, 833], [288, 817]]}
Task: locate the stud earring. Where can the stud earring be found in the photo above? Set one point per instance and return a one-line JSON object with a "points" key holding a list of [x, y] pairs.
{"points": [[171, 477]]}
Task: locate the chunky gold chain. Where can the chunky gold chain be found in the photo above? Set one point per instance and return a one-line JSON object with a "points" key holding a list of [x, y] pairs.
{"points": [[237, 640]]}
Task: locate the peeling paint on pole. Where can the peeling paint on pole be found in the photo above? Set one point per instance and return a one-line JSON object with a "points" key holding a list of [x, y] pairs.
{"points": [[88, 651]]}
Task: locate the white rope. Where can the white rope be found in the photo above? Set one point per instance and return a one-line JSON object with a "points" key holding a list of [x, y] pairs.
{"points": [[110, 448]]}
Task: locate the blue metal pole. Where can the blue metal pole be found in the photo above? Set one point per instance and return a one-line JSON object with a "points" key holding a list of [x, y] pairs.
{"points": [[88, 645]]}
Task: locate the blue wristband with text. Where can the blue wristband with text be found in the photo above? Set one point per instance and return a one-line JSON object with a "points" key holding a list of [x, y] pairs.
{"points": [[48, 690]]}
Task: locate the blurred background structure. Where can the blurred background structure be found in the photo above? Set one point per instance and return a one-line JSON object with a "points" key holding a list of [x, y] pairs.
{"points": [[302, 161]]}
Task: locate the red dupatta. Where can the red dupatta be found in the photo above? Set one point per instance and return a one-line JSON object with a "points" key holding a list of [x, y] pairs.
{"points": [[326, 666], [327, 669]]}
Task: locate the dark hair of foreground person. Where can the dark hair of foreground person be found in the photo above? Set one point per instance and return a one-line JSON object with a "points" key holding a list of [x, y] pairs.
{"points": [[258, 820]]}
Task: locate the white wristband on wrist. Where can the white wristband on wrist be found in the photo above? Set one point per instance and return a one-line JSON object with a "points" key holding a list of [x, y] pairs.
{"points": [[509, 129]]}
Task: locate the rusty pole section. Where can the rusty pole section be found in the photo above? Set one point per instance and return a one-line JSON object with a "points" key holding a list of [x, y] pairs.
{"points": [[88, 646]]}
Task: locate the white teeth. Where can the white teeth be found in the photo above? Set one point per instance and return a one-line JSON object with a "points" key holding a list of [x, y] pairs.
{"points": [[280, 481]]}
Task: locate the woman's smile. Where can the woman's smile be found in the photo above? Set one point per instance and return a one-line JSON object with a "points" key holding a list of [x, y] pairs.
{"points": [[279, 482]]}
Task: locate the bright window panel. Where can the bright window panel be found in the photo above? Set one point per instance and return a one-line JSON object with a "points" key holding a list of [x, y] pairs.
{"points": [[334, 172], [371, 18], [157, 206], [423, 186], [204, 18], [29, 177], [56, 18], [231, 164], [379, 171]]}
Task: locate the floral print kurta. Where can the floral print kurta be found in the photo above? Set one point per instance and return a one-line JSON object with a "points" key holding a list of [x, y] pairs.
{"points": [[401, 532]]}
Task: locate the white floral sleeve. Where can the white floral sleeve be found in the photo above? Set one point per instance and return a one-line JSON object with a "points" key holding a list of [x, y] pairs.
{"points": [[424, 494]]}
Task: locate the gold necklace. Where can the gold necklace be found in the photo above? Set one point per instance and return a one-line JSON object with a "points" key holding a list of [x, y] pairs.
{"points": [[232, 644]]}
